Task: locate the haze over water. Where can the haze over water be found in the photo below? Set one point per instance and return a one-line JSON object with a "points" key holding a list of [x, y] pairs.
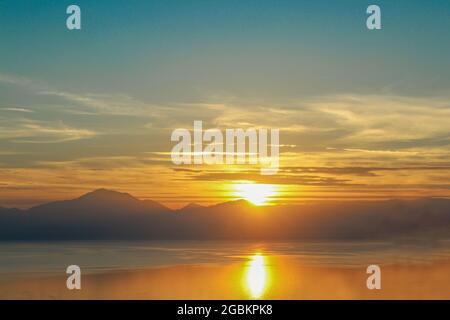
{"points": [[225, 270]]}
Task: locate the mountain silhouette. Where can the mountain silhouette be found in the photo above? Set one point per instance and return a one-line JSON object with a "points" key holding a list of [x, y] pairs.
{"points": [[191, 206], [107, 214], [101, 201]]}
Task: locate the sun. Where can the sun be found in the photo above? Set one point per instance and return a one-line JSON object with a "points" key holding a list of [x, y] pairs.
{"points": [[258, 194]]}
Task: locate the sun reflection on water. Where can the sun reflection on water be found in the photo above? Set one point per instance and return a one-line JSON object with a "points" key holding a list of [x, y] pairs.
{"points": [[256, 276]]}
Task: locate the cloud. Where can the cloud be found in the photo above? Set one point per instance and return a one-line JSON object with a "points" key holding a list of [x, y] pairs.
{"points": [[96, 103], [281, 179], [361, 171], [351, 121], [310, 176], [18, 110], [346, 121], [377, 119], [107, 104], [15, 80], [34, 131]]}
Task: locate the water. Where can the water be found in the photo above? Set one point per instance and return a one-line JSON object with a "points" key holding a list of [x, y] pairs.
{"points": [[95, 256], [225, 270]]}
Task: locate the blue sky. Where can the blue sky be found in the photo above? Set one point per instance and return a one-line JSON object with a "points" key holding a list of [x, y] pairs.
{"points": [[271, 49]]}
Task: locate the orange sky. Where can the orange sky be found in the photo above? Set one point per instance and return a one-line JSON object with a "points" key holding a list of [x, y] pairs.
{"points": [[383, 154]]}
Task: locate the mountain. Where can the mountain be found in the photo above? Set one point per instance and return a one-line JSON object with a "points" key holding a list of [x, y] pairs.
{"points": [[191, 206], [101, 201], [102, 214], [106, 214]]}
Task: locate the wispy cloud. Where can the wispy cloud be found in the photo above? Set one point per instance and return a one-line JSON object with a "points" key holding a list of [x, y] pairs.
{"points": [[18, 110], [15, 80], [96, 103], [33, 131]]}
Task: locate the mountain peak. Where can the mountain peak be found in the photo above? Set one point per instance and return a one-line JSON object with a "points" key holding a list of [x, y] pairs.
{"points": [[106, 194], [101, 201], [116, 198]]}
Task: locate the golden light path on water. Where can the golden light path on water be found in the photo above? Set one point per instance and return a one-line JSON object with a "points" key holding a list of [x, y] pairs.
{"points": [[256, 276]]}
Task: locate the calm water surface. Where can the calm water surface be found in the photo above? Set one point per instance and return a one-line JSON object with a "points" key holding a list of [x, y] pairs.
{"points": [[225, 270]]}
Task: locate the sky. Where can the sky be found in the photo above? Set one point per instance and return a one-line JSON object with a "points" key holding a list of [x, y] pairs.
{"points": [[362, 114]]}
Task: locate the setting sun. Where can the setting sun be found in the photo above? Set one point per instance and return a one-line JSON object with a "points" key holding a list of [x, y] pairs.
{"points": [[258, 194]]}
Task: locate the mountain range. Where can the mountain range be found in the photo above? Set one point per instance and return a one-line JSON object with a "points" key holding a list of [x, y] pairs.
{"points": [[111, 215]]}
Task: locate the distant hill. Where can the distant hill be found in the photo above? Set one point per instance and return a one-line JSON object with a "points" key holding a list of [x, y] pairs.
{"points": [[192, 206], [101, 201], [106, 214]]}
